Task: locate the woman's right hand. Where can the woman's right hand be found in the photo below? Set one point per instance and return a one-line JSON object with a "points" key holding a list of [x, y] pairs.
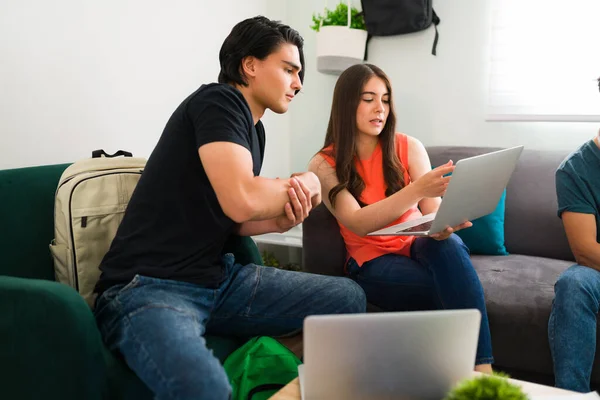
{"points": [[434, 183]]}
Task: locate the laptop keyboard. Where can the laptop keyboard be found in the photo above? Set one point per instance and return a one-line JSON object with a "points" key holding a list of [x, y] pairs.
{"points": [[418, 228]]}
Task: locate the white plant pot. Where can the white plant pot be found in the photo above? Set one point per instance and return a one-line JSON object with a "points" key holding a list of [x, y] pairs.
{"points": [[339, 47]]}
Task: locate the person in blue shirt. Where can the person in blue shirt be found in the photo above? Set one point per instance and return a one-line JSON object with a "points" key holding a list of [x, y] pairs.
{"points": [[572, 324]]}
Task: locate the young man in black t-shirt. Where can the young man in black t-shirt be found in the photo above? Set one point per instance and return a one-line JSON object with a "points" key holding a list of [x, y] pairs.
{"points": [[164, 281]]}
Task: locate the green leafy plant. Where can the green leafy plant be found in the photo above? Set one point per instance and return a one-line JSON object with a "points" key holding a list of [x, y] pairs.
{"points": [[291, 267], [269, 259], [339, 17], [487, 387]]}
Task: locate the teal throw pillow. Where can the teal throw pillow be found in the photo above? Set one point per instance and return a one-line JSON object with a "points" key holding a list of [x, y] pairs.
{"points": [[486, 236]]}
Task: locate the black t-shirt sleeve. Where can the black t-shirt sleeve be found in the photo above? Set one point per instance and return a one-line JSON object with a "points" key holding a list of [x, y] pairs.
{"points": [[219, 116]]}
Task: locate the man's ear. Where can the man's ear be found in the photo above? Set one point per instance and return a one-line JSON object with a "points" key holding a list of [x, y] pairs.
{"points": [[249, 65]]}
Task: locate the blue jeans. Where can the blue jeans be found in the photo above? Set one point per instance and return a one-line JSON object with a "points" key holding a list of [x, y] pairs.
{"points": [[438, 275], [158, 325], [572, 327]]}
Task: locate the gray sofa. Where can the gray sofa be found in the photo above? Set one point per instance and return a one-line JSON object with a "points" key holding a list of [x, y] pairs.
{"points": [[519, 288]]}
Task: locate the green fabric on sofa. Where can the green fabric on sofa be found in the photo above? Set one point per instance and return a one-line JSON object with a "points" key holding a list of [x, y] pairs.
{"points": [[122, 382], [244, 249], [51, 347], [27, 215]]}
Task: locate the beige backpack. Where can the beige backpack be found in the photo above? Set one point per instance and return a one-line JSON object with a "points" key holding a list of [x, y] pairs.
{"points": [[90, 202]]}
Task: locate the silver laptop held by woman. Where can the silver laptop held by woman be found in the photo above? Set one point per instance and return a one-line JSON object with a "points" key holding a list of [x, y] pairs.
{"points": [[474, 190]]}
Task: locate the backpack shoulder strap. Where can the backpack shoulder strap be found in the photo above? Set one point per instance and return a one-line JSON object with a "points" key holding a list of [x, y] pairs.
{"points": [[435, 20]]}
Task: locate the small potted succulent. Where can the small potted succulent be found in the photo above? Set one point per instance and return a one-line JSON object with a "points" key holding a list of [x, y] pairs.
{"points": [[341, 38]]}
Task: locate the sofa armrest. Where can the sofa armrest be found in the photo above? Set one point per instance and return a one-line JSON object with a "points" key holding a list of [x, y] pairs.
{"points": [[244, 249], [50, 345]]}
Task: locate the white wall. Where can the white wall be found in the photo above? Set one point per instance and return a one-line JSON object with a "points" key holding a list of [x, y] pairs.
{"points": [[76, 75], [440, 100], [310, 109]]}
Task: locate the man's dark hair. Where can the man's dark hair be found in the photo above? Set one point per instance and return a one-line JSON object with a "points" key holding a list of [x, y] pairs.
{"points": [[257, 37]]}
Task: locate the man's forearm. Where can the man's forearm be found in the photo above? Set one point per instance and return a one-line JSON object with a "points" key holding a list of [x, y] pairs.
{"points": [[267, 198], [251, 228]]}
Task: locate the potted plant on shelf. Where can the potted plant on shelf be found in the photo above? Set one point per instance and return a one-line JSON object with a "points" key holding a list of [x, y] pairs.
{"points": [[341, 38]]}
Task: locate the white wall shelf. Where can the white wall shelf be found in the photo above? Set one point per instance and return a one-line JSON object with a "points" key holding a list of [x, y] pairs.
{"points": [[291, 238]]}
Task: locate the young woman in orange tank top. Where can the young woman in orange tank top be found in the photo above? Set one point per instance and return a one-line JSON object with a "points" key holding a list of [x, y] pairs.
{"points": [[373, 177]]}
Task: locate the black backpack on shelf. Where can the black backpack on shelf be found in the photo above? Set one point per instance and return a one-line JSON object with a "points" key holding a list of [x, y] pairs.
{"points": [[396, 17]]}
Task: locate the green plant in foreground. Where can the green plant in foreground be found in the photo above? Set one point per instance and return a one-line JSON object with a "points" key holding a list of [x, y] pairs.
{"points": [[339, 17], [487, 387]]}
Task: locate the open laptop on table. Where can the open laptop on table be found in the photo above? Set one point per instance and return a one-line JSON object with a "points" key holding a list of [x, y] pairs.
{"points": [[392, 355], [474, 191]]}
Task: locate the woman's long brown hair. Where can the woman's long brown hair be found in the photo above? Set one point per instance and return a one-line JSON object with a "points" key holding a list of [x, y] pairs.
{"points": [[342, 132]]}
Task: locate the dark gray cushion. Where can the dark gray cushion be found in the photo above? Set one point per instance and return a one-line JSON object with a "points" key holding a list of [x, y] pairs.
{"points": [[519, 291], [532, 226], [323, 248]]}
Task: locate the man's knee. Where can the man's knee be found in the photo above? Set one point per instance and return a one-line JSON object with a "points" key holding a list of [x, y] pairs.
{"points": [[577, 282], [349, 296]]}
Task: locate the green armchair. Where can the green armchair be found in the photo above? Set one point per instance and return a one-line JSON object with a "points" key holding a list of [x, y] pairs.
{"points": [[51, 347]]}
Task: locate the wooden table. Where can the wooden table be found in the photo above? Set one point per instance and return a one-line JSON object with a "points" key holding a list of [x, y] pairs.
{"points": [[292, 390]]}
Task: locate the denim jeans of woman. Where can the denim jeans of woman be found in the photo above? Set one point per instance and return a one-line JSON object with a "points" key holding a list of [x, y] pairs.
{"points": [[437, 275]]}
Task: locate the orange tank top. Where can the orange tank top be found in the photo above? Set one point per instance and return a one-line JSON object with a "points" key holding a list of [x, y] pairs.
{"points": [[365, 248]]}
